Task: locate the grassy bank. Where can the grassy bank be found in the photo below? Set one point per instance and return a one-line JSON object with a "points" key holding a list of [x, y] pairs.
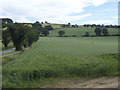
{"points": [[61, 57]]}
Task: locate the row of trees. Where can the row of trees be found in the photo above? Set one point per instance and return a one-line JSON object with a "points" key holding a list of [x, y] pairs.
{"points": [[42, 31], [23, 35], [107, 26], [98, 31], [20, 35], [69, 25]]}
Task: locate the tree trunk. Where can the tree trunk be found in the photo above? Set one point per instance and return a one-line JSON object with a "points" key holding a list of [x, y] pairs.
{"points": [[18, 47], [5, 45]]}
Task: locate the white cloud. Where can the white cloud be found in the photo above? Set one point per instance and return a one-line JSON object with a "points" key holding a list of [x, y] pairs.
{"points": [[56, 11], [116, 17]]}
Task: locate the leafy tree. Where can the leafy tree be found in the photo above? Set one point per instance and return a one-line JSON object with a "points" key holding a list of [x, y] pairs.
{"points": [[87, 34], [68, 24], [46, 22], [61, 33], [4, 25], [37, 22], [17, 33], [36, 25], [105, 31], [25, 42], [5, 37], [7, 20], [76, 25], [32, 36], [98, 31], [48, 27], [45, 32], [73, 25]]}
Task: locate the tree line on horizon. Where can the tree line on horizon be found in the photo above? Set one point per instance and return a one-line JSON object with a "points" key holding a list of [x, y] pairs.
{"points": [[107, 26]]}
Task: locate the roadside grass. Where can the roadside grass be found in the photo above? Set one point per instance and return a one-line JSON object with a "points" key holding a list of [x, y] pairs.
{"points": [[60, 57]]}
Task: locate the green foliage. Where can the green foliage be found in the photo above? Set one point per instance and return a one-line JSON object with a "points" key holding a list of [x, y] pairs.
{"points": [[22, 35], [17, 33], [5, 38], [45, 32], [98, 31], [61, 33], [87, 34], [32, 36], [4, 25], [105, 31], [37, 26], [73, 35], [48, 27]]}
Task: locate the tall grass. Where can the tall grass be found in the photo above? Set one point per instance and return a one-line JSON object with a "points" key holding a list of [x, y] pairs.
{"points": [[53, 57]]}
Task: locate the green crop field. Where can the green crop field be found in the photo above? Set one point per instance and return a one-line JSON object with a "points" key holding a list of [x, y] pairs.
{"points": [[62, 57], [80, 31]]}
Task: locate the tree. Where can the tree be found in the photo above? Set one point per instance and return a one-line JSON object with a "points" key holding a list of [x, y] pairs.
{"points": [[17, 33], [4, 25], [48, 27], [36, 25], [32, 36], [73, 25], [105, 31], [7, 20], [61, 33], [5, 37], [87, 34], [76, 25], [46, 22], [45, 32], [37, 22], [98, 31], [68, 24]]}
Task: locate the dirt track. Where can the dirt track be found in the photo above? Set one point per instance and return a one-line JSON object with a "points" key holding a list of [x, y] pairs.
{"points": [[104, 82]]}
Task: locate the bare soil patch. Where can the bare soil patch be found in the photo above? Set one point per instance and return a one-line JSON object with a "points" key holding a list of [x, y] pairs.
{"points": [[104, 82]]}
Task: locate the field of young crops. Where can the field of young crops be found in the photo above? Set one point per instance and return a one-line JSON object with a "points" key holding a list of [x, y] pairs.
{"points": [[80, 31], [62, 57]]}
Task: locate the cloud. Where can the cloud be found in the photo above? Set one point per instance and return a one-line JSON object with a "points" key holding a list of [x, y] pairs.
{"points": [[56, 11], [116, 17]]}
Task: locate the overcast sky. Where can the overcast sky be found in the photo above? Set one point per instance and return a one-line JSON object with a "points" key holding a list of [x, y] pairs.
{"points": [[61, 11]]}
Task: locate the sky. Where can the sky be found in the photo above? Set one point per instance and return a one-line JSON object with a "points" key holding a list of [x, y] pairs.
{"points": [[61, 11]]}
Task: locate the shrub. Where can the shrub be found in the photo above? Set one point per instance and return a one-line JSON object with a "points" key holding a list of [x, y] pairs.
{"points": [[105, 31], [61, 33], [73, 35], [49, 27], [65, 35], [87, 34], [98, 31], [5, 38]]}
